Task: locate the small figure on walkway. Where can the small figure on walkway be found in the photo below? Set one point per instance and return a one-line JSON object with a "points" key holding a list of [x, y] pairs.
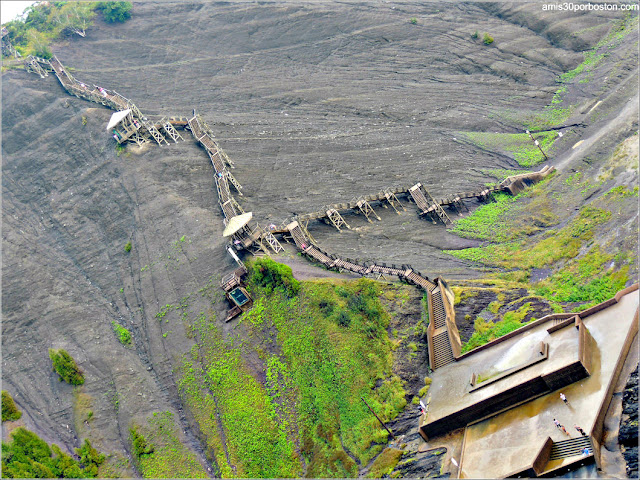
{"points": [[564, 430], [557, 423], [580, 430], [563, 397], [586, 451]]}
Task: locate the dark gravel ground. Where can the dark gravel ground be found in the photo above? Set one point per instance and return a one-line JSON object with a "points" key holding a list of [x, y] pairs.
{"points": [[316, 103]]}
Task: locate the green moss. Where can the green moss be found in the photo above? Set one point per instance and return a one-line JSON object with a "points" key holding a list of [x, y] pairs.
{"points": [[124, 336], [9, 410], [385, 463], [66, 367]]}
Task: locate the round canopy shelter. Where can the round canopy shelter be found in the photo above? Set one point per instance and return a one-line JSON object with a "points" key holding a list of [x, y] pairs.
{"points": [[236, 223]]}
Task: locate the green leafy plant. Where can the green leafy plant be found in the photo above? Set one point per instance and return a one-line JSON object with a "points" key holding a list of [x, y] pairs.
{"points": [[28, 456], [270, 275], [128, 246], [475, 35], [115, 11], [123, 334], [9, 410], [413, 21], [66, 367], [139, 444], [487, 39]]}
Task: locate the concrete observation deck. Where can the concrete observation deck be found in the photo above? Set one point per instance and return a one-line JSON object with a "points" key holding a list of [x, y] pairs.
{"points": [[540, 362]]}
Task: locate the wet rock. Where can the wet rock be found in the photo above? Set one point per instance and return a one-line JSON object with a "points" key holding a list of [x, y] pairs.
{"points": [[628, 434], [422, 465], [631, 457]]}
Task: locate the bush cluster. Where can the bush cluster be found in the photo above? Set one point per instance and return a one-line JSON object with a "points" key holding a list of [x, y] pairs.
{"points": [[66, 367], [44, 22], [270, 275], [28, 456], [139, 444], [9, 410]]}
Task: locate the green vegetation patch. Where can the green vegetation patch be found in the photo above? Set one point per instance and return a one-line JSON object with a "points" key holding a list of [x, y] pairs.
{"points": [[48, 21], [385, 463], [557, 245], [158, 451], [590, 279], [10, 411], [486, 330], [520, 145], [321, 352], [269, 275], [124, 335], [28, 456], [66, 367]]}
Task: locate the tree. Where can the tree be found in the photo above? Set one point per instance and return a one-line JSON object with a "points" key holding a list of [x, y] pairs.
{"points": [[115, 11], [38, 44], [74, 17]]}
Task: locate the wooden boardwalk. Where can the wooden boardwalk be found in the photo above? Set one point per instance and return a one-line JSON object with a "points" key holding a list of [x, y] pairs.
{"points": [[254, 238], [428, 206], [311, 250]]}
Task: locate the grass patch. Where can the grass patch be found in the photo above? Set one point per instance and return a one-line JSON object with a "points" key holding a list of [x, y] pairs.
{"points": [[66, 367], [385, 463], [519, 145], [10, 411], [159, 452], [486, 330]]}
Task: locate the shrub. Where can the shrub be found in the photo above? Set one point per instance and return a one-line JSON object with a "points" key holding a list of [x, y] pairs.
{"points": [[475, 35], [413, 21], [123, 334], [127, 247], [115, 11], [66, 367], [343, 318], [487, 39], [28, 456], [9, 409], [272, 275], [139, 444]]}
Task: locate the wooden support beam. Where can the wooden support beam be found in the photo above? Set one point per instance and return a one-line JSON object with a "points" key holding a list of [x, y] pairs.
{"points": [[336, 219], [366, 209], [393, 200]]}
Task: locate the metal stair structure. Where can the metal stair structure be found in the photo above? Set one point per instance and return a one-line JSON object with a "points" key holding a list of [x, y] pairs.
{"points": [[571, 447], [443, 355]]}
